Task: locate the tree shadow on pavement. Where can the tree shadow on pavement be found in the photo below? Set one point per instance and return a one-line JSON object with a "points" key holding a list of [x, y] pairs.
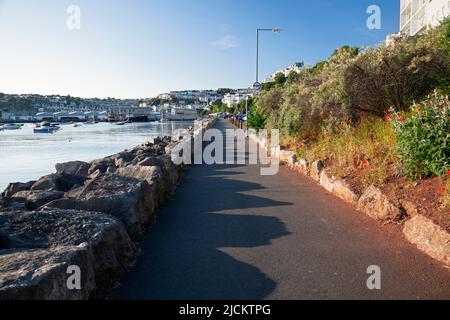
{"points": [[181, 258]]}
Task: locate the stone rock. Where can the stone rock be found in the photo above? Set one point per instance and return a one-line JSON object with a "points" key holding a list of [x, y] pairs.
{"points": [[343, 191], [302, 166], [147, 162], [11, 204], [129, 199], [171, 172], [103, 165], [34, 199], [376, 205], [50, 227], [154, 177], [58, 182], [13, 188], [326, 181], [123, 159], [316, 169], [410, 208], [41, 274], [109, 247], [149, 174], [288, 157], [429, 238], [74, 168]]}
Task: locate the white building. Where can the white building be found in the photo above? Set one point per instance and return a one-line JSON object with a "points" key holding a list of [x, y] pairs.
{"points": [[230, 99], [417, 15], [297, 67]]}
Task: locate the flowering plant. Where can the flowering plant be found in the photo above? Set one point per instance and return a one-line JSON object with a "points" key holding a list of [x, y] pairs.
{"points": [[423, 138]]}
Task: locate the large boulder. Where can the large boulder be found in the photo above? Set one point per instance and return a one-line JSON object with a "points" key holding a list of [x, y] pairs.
{"points": [[13, 188], [129, 199], [123, 159], [376, 205], [39, 236], [75, 168], [34, 199], [103, 164], [41, 274], [58, 182], [148, 174], [146, 161], [154, 177], [171, 173]]}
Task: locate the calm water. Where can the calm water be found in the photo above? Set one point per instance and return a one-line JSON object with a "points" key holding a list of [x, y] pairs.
{"points": [[26, 156]]}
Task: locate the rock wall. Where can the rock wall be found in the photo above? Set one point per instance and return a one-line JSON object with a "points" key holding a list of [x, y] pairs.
{"points": [[88, 215], [427, 236]]}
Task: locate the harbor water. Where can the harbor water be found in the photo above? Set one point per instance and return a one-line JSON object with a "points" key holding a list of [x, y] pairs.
{"points": [[26, 156]]}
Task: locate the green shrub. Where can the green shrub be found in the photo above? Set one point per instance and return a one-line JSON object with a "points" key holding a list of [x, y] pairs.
{"points": [[423, 138], [256, 120]]}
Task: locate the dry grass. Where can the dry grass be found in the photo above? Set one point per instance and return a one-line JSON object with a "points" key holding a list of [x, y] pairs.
{"points": [[367, 148]]}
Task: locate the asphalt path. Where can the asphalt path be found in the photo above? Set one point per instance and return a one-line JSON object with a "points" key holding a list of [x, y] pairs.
{"points": [[231, 233]]}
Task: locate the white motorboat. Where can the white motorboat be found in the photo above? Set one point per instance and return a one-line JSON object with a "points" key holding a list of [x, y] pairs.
{"points": [[11, 126]]}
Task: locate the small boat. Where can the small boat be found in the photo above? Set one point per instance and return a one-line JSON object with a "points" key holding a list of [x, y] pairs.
{"points": [[46, 127], [11, 126], [122, 123], [77, 125], [43, 130]]}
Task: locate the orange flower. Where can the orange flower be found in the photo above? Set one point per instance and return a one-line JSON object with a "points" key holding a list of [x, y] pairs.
{"points": [[444, 189]]}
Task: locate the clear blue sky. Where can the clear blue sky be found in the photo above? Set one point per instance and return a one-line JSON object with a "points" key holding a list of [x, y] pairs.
{"points": [[139, 48]]}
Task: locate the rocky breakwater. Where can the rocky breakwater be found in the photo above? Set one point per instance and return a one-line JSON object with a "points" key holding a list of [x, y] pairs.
{"points": [[86, 219]]}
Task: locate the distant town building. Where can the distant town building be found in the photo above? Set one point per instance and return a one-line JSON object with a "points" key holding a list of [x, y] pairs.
{"points": [[231, 99], [418, 15], [297, 67]]}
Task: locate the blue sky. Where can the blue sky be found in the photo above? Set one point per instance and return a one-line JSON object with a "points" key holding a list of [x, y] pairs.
{"points": [[139, 48]]}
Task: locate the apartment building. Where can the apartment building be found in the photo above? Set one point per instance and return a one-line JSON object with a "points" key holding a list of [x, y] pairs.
{"points": [[417, 15], [297, 67]]}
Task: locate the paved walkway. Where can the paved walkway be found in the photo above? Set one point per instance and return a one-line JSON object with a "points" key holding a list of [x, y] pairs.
{"points": [[230, 233]]}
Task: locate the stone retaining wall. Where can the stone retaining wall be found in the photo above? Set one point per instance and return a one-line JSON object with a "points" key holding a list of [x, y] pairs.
{"points": [[88, 215], [422, 232]]}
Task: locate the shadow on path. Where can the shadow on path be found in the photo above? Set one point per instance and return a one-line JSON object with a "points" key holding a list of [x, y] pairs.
{"points": [[181, 256]]}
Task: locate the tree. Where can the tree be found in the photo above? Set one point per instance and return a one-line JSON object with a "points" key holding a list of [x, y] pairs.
{"points": [[395, 76], [292, 77], [280, 79], [256, 120]]}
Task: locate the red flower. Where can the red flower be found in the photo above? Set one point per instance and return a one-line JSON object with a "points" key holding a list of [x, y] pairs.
{"points": [[444, 189], [448, 172]]}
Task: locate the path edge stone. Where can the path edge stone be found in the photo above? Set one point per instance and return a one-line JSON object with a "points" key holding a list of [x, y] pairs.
{"points": [[420, 231]]}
